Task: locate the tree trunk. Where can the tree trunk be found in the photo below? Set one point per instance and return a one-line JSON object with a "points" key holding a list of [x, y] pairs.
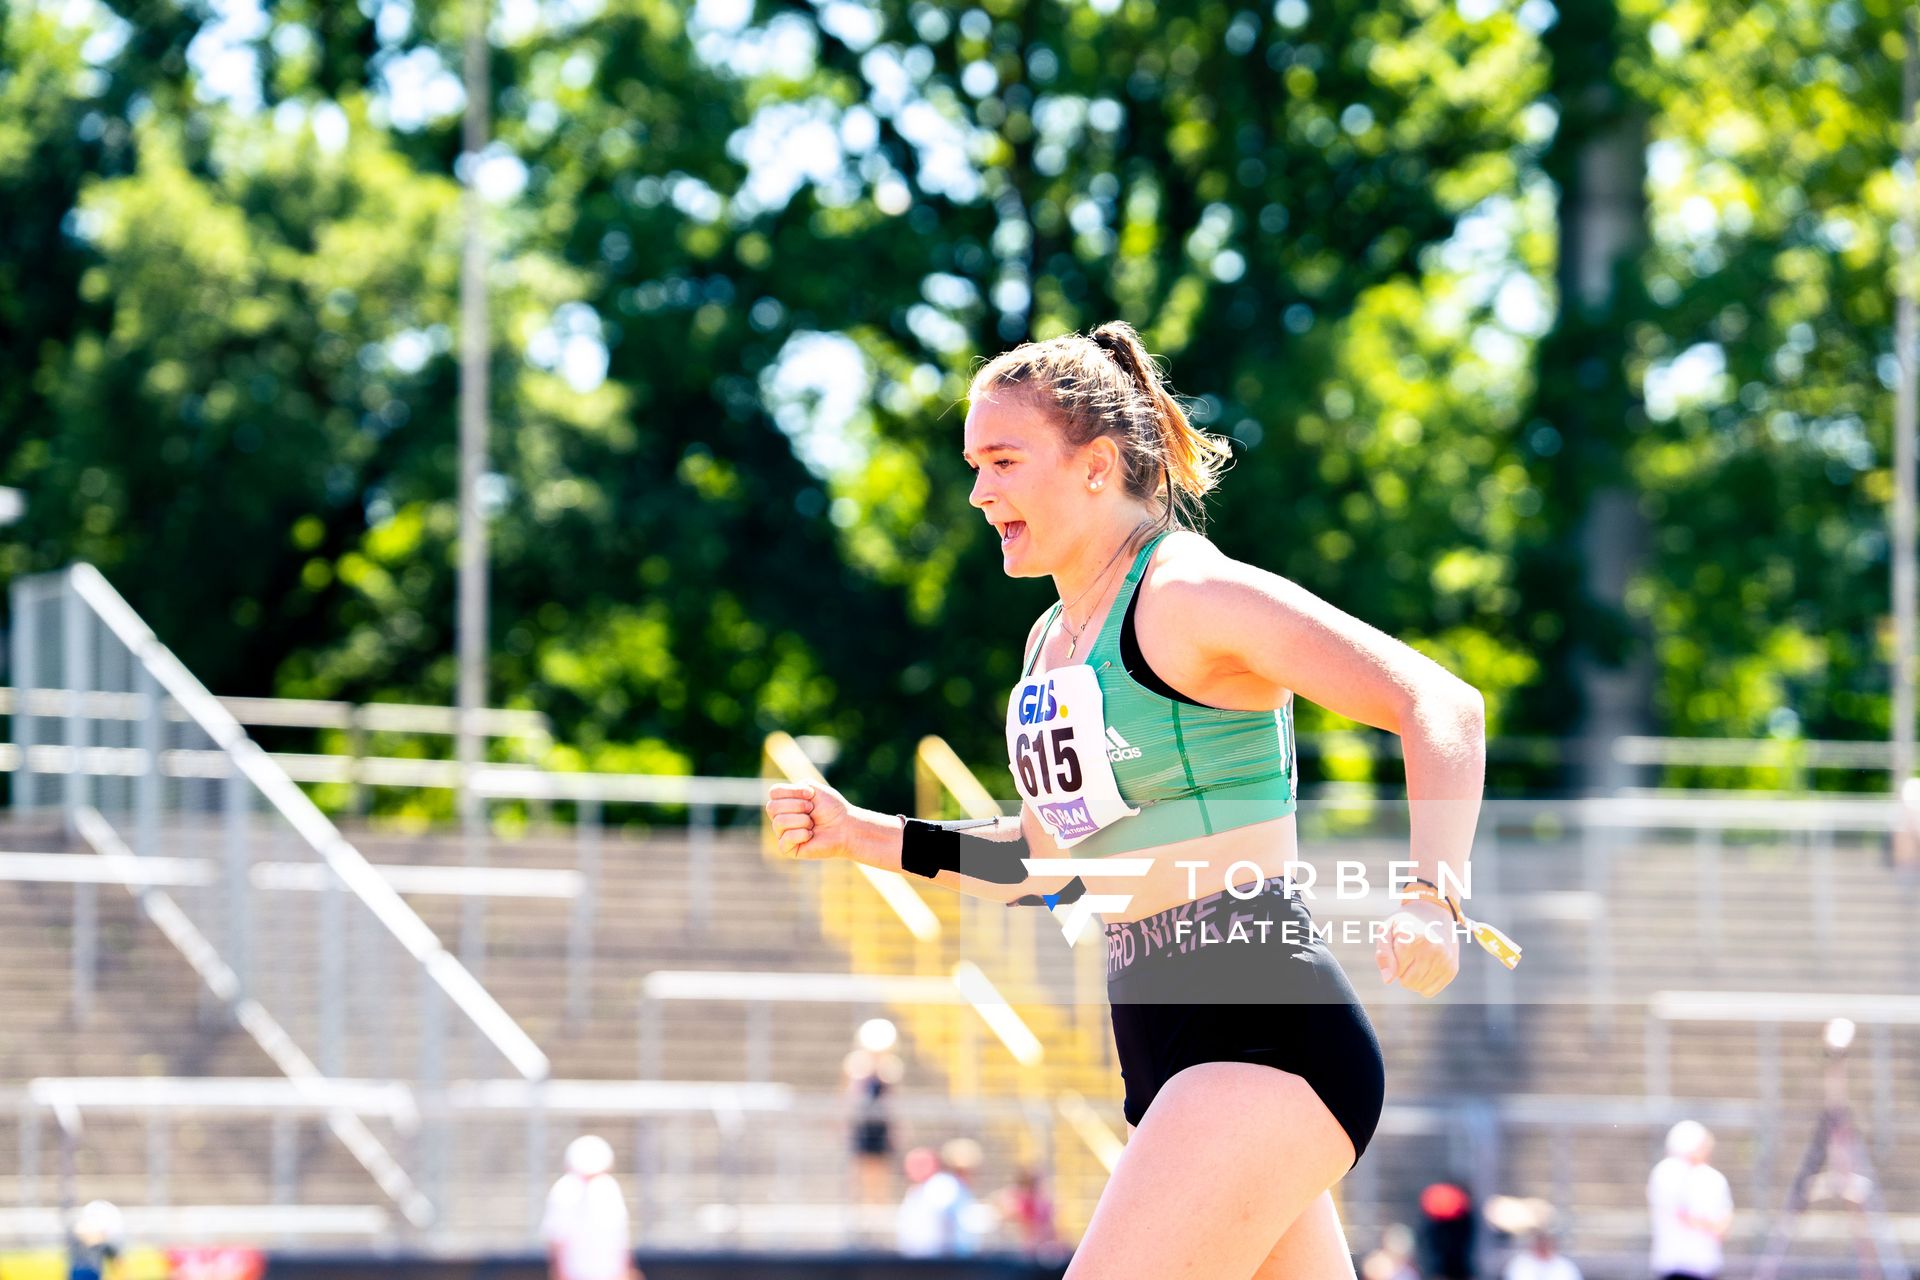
{"points": [[1586, 410]]}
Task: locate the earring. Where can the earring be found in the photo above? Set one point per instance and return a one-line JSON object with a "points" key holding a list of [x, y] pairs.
{"points": [[1096, 485]]}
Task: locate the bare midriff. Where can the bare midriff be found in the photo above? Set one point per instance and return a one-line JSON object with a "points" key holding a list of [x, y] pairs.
{"points": [[1268, 846]]}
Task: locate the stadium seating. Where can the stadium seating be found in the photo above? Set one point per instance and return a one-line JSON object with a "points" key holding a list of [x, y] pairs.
{"points": [[150, 1016], [1445, 1058]]}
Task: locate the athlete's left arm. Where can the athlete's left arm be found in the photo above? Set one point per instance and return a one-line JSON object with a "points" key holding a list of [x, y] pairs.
{"points": [[1270, 636]]}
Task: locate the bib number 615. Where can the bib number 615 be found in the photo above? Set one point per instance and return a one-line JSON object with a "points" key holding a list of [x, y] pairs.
{"points": [[1036, 775]]}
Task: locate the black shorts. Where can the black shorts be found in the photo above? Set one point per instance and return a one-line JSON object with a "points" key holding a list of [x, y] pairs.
{"points": [[1224, 980], [871, 1138]]}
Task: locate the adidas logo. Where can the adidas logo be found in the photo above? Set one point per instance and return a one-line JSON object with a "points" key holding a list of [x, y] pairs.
{"points": [[1118, 748]]}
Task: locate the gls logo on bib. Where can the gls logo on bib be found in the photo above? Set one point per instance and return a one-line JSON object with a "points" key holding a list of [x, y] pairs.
{"points": [[1038, 705]]}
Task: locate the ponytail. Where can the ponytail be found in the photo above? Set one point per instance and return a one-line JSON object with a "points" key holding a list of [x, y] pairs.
{"points": [[1190, 460]]}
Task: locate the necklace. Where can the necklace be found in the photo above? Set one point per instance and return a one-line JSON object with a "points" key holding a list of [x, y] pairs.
{"points": [[1066, 621]]}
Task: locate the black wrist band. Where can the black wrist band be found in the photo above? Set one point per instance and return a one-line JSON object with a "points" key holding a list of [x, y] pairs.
{"points": [[927, 849]]}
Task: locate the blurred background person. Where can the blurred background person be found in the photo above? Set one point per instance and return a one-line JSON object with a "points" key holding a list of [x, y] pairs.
{"points": [[871, 1070], [1532, 1225], [1028, 1209], [585, 1227], [1446, 1232], [939, 1214], [95, 1241], [1540, 1260], [918, 1231], [1691, 1205], [951, 1190], [1393, 1260]]}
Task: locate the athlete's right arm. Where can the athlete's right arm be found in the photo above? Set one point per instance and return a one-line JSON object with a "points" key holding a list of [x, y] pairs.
{"points": [[812, 820]]}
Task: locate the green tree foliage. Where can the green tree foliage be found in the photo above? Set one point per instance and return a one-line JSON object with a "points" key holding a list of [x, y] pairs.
{"points": [[1766, 360]]}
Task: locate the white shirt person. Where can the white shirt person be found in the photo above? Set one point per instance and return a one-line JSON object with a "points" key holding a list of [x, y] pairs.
{"points": [[1540, 1261], [585, 1226], [1692, 1207]]}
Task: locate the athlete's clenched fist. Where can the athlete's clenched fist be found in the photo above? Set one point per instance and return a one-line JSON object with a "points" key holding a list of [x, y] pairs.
{"points": [[810, 820], [1418, 948]]}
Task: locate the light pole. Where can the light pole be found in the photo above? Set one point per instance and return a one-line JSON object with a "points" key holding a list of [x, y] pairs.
{"points": [[1903, 433], [474, 350]]}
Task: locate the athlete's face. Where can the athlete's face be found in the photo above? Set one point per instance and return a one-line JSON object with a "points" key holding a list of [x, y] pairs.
{"points": [[1031, 489]]}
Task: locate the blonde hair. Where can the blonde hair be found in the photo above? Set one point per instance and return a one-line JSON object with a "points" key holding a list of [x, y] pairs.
{"points": [[1104, 383]]}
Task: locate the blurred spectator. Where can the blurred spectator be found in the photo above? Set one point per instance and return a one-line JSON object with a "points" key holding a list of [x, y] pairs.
{"points": [[1027, 1206], [1692, 1207], [95, 1241], [937, 1216], [871, 1070], [959, 1163], [1541, 1260], [1446, 1232], [918, 1229], [1393, 1260], [1906, 836], [586, 1221]]}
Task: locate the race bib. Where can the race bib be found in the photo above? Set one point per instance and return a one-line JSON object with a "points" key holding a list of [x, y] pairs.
{"points": [[1056, 746]]}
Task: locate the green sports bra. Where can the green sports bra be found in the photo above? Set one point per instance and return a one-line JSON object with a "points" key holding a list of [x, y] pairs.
{"points": [[1191, 770]]}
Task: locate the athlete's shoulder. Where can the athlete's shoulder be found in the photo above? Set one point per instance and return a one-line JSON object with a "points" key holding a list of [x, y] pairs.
{"points": [[1186, 546], [1187, 564], [1202, 600]]}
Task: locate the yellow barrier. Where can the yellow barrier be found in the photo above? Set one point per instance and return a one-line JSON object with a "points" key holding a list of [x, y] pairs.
{"points": [[51, 1264]]}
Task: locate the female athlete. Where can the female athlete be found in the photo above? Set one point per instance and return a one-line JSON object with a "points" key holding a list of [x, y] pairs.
{"points": [[1152, 734]]}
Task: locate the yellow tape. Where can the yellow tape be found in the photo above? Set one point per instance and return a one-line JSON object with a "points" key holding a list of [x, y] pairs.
{"points": [[1495, 943]]}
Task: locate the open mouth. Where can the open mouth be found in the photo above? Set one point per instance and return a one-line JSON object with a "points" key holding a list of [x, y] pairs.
{"points": [[1010, 531]]}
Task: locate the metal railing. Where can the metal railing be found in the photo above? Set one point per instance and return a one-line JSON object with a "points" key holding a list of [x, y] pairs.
{"points": [[502, 1195], [530, 736], [85, 872], [1566, 861], [143, 762], [1767, 1013], [968, 996], [700, 1160], [528, 733], [589, 793]]}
